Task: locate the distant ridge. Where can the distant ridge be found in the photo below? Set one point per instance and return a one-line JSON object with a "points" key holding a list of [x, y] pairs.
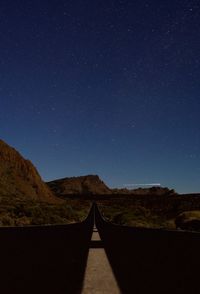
{"points": [[159, 191], [93, 185], [83, 185], [19, 178]]}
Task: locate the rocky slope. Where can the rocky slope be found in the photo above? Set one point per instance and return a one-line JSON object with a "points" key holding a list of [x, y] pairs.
{"points": [[93, 185], [84, 185], [155, 191], [19, 179]]}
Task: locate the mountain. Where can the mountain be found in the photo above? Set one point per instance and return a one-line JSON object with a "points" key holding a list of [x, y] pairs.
{"points": [[156, 191], [19, 178], [84, 185], [93, 185]]}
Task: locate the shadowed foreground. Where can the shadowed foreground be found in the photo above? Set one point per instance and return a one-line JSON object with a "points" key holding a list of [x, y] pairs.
{"points": [[49, 259], [52, 259], [151, 261]]}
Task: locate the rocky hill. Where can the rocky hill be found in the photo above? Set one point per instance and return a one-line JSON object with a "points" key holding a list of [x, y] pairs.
{"points": [[84, 185], [155, 191], [19, 179], [93, 185]]}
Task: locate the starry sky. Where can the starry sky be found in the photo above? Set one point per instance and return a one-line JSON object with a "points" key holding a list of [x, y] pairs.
{"points": [[103, 87]]}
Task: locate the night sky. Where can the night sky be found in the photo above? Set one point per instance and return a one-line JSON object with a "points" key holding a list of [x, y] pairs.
{"points": [[103, 87]]}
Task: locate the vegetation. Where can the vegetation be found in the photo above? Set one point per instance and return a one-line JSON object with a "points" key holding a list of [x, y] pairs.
{"points": [[22, 213], [137, 216], [151, 211]]}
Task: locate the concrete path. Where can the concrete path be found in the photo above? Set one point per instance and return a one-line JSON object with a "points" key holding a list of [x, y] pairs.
{"points": [[99, 277]]}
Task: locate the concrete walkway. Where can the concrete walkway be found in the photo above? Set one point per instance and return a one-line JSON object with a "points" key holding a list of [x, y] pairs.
{"points": [[99, 277]]}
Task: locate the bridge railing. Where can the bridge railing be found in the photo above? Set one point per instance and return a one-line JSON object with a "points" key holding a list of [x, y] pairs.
{"points": [[149, 260], [44, 259]]}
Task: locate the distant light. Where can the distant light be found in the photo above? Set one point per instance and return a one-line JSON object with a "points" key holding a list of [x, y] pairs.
{"points": [[152, 184]]}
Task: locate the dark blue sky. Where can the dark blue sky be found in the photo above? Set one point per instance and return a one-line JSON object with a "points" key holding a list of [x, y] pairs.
{"points": [[103, 87]]}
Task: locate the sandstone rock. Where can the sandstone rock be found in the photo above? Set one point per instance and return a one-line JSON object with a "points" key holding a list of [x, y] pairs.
{"points": [[19, 178], [188, 220], [84, 185]]}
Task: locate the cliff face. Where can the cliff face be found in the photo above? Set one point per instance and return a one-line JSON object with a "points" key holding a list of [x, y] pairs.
{"points": [[91, 185], [19, 178]]}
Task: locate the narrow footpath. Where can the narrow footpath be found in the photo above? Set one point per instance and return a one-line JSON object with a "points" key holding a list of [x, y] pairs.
{"points": [[99, 277]]}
